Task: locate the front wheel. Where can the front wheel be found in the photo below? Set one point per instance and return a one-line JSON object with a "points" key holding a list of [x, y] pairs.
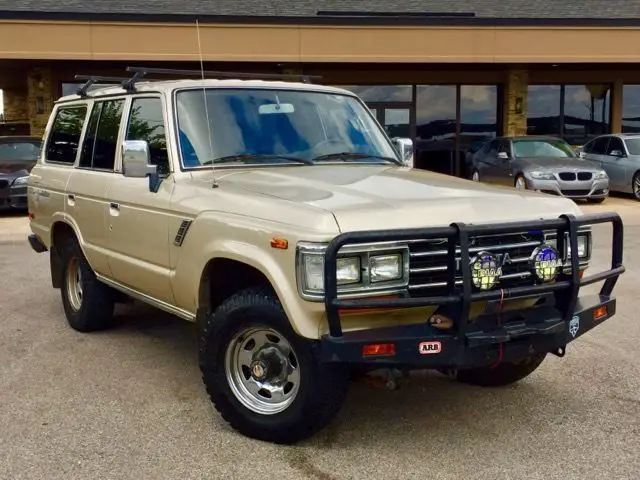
{"points": [[264, 379], [504, 373]]}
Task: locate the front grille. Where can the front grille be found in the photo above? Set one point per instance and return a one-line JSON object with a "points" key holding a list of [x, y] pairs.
{"points": [[575, 193], [4, 183], [583, 176], [428, 261], [567, 176]]}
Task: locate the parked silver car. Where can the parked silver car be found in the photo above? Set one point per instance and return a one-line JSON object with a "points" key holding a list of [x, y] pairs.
{"points": [[545, 164], [619, 155]]}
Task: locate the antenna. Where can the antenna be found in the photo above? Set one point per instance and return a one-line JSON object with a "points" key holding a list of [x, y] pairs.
{"points": [[206, 107]]}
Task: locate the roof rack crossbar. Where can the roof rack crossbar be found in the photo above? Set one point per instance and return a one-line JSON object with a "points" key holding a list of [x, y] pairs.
{"points": [[91, 79], [221, 74]]}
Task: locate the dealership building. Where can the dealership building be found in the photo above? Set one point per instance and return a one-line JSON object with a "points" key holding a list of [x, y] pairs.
{"points": [[442, 73]]}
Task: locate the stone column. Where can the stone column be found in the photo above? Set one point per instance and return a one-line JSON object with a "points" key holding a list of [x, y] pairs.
{"points": [[515, 102], [15, 105], [40, 98]]}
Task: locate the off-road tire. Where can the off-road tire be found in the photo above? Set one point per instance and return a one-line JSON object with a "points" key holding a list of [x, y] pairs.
{"points": [[97, 305], [322, 389], [501, 375]]}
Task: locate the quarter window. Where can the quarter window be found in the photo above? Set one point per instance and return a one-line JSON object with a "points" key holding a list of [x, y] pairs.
{"points": [[100, 143], [146, 122], [64, 139]]}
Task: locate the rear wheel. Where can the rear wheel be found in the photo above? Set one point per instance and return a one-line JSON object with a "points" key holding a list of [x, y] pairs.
{"points": [[504, 373], [88, 303], [264, 379]]}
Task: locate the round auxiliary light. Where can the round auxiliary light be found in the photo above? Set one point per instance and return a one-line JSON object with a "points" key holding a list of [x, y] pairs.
{"points": [[546, 262], [485, 271]]}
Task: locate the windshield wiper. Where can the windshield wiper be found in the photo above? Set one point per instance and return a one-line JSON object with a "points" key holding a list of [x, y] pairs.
{"points": [[250, 156], [344, 156]]}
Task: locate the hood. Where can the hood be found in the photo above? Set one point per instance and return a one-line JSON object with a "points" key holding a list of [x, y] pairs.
{"points": [[379, 196], [557, 164], [16, 168]]}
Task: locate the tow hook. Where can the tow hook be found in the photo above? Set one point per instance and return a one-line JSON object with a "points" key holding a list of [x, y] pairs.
{"points": [[560, 351], [384, 378]]}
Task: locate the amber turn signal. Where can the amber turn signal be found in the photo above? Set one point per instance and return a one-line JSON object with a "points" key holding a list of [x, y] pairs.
{"points": [[279, 243], [600, 312], [378, 349]]}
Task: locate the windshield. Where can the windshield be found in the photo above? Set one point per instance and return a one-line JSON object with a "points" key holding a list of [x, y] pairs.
{"points": [[269, 126], [19, 152], [633, 145], [542, 148]]}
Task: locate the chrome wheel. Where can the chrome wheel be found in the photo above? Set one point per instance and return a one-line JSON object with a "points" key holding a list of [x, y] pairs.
{"points": [[520, 185], [262, 370], [74, 284], [476, 176]]}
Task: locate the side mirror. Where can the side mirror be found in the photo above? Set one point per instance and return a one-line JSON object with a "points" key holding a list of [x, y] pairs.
{"points": [[404, 146], [503, 156], [616, 153], [582, 155], [136, 162]]}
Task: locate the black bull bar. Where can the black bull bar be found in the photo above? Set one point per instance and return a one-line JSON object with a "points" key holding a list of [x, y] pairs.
{"points": [[543, 329]]}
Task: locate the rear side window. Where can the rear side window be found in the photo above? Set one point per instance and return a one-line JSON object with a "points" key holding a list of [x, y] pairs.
{"points": [[100, 142], [64, 139]]}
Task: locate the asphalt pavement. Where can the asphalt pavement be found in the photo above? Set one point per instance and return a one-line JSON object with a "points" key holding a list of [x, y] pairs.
{"points": [[130, 404]]}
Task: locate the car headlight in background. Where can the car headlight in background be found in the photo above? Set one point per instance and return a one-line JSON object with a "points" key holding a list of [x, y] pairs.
{"points": [[359, 269], [601, 175], [536, 175], [20, 181]]}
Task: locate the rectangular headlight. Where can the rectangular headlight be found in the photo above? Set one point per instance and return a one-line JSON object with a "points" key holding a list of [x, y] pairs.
{"points": [[584, 245], [387, 269], [383, 268], [348, 271]]}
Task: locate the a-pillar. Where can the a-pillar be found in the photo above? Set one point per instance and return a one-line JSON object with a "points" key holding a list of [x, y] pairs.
{"points": [[515, 102], [39, 98]]}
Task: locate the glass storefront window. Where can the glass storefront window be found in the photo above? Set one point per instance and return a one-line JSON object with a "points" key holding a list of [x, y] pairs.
{"points": [[631, 109], [543, 109], [478, 121], [435, 127], [381, 93], [586, 112]]}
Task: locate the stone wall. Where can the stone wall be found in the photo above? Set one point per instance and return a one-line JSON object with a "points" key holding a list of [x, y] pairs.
{"points": [[515, 102], [15, 105], [39, 99]]}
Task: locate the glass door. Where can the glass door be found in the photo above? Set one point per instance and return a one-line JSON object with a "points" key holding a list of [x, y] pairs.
{"points": [[397, 118]]}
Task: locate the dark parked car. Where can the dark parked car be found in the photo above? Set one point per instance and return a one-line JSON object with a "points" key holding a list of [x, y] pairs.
{"points": [[545, 164], [18, 155]]}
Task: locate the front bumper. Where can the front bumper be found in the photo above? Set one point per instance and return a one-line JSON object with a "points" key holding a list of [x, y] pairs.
{"points": [[504, 336], [13, 198], [579, 190]]}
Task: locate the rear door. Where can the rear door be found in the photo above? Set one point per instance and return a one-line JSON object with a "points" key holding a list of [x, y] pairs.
{"points": [[47, 191], [87, 201], [485, 161]]}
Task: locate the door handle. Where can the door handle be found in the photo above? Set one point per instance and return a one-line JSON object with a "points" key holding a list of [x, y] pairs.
{"points": [[71, 199], [71, 196], [114, 206]]}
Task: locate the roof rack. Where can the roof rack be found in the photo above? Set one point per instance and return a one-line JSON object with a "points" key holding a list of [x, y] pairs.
{"points": [[220, 74], [128, 83]]}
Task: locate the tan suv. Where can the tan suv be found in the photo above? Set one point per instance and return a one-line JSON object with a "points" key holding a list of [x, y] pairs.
{"points": [[281, 219]]}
